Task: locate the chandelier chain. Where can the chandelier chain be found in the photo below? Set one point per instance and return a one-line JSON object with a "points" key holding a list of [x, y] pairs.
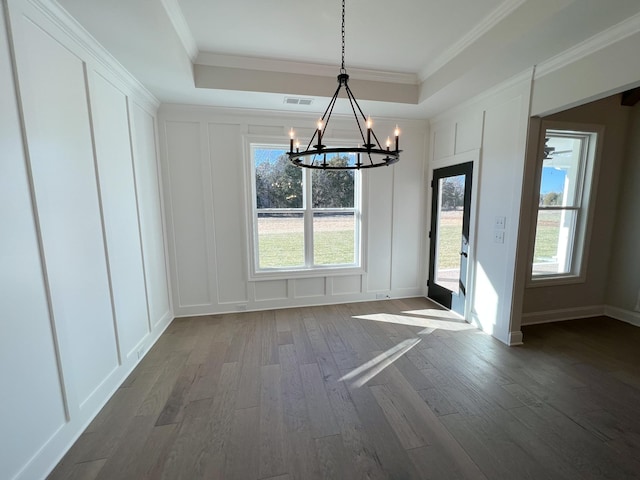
{"points": [[342, 69]]}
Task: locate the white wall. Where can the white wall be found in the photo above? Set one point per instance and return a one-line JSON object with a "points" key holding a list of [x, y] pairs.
{"points": [[495, 125], [83, 285], [204, 165], [623, 293]]}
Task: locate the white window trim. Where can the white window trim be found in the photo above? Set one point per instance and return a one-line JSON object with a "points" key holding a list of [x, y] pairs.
{"points": [[361, 192], [580, 252]]}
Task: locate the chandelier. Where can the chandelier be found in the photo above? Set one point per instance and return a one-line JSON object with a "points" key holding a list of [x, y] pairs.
{"points": [[369, 154]]}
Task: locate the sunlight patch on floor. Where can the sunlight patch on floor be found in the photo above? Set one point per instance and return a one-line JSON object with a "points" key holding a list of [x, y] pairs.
{"points": [[373, 367], [450, 324]]}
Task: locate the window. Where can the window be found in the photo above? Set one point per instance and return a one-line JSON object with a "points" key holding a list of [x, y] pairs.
{"points": [[303, 219], [565, 179]]}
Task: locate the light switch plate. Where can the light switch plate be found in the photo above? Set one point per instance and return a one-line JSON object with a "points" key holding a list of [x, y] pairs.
{"points": [[498, 236], [500, 222]]}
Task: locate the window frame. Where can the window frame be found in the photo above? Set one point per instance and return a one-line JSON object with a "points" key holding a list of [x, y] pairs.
{"points": [[583, 205], [307, 210]]}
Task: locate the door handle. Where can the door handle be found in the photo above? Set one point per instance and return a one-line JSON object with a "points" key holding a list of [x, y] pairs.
{"points": [[464, 254]]}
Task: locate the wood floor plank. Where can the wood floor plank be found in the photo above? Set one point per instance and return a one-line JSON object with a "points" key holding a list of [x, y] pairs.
{"points": [[122, 464], [303, 349], [243, 456], [269, 337], [208, 373], [435, 463], [294, 405], [322, 419], [392, 456], [437, 401], [332, 459], [302, 458], [249, 382], [272, 429], [173, 409], [397, 418], [157, 397], [87, 470], [285, 338]]}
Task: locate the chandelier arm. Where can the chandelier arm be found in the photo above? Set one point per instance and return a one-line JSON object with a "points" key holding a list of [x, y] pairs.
{"points": [[351, 95], [349, 92], [332, 104], [351, 100]]}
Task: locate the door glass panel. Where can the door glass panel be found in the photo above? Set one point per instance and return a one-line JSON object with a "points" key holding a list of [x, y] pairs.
{"points": [[449, 230]]}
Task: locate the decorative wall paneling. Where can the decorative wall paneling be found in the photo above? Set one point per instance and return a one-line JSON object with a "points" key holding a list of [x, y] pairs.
{"points": [[495, 126], [83, 279], [205, 173]]}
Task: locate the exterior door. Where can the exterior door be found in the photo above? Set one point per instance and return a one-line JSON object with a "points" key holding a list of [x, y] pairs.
{"points": [[449, 248]]}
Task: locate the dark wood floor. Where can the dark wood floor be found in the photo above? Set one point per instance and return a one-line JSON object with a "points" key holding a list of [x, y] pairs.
{"points": [[390, 389]]}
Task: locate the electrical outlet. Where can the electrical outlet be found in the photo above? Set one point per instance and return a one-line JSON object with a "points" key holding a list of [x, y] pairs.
{"points": [[498, 236], [140, 353], [241, 307], [382, 296], [500, 223]]}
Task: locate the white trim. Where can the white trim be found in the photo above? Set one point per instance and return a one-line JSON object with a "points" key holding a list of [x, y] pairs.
{"points": [[180, 25], [560, 315], [591, 45], [515, 338], [623, 315], [478, 102], [308, 270], [235, 116], [77, 33], [315, 69], [297, 302], [486, 24], [588, 197]]}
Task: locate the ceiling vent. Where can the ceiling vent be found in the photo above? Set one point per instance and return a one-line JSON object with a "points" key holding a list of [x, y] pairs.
{"points": [[298, 101]]}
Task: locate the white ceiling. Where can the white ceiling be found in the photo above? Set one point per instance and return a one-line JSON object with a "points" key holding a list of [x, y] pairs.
{"points": [[431, 54]]}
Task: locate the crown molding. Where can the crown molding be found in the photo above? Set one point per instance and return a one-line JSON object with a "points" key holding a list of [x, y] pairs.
{"points": [[601, 40], [285, 66], [56, 14], [520, 79], [180, 25], [487, 23]]}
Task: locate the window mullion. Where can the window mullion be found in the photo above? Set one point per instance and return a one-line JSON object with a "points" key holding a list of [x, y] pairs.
{"points": [[308, 219]]}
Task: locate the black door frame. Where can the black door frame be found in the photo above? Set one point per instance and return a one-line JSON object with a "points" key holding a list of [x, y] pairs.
{"points": [[436, 292]]}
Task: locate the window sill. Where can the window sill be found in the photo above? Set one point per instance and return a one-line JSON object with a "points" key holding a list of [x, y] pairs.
{"points": [[330, 271], [555, 280]]}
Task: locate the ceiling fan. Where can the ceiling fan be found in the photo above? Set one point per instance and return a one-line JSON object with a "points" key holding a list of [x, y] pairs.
{"points": [[549, 152]]}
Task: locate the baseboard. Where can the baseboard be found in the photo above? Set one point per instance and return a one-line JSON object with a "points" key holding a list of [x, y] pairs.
{"points": [[626, 316], [274, 304], [560, 315], [515, 338]]}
